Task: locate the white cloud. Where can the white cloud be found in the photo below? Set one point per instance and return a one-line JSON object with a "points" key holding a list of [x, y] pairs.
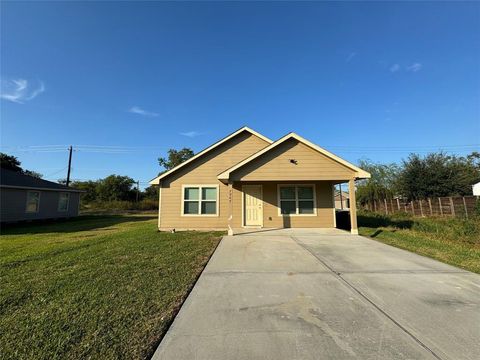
{"points": [[414, 67], [351, 56], [37, 91], [191, 134], [19, 90], [394, 68], [138, 110]]}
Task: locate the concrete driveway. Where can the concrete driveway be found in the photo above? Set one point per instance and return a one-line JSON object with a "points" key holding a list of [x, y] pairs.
{"points": [[313, 294]]}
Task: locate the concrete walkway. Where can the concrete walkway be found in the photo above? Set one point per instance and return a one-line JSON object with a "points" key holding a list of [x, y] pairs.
{"points": [[311, 294]]}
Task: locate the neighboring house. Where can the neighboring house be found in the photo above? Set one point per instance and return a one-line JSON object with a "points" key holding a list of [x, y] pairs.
{"points": [[24, 197], [476, 189], [341, 200], [248, 181]]}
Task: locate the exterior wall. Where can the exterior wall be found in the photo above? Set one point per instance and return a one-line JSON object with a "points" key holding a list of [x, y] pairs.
{"points": [[276, 165], [325, 217], [13, 204], [338, 204], [204, 171]]}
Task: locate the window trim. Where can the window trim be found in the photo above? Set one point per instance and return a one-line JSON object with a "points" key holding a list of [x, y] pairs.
{"points": [[200, 186], [279, 209], [68, 201], [38, 205]]}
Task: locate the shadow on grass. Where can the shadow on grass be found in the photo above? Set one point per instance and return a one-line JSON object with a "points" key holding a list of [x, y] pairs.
{"points": [[80, 223], [376, 233], [375, 220]]}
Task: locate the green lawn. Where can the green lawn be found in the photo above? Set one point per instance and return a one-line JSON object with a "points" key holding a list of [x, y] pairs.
{"points": [[453, 241], [102, 287]]}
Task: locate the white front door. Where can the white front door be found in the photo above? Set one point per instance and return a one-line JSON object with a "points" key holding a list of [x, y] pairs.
{"points": [[253, 205]]}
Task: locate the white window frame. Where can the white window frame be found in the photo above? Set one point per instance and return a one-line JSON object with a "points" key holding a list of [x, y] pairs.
{"points": [[279, 186], [68, 201], [200, 186], [38, 205]]}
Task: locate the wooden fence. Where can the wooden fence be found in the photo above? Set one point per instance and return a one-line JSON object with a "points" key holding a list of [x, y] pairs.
{"points": [[460, 206]]}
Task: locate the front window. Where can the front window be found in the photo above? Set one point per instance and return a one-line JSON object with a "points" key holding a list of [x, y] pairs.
{"points": [[33, 201], [200, 200], [288, 200], [63, 200], [297, 199]]}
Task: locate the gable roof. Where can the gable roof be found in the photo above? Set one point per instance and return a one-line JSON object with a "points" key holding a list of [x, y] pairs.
{"points": [[359, 173], [17, 180], [156, 180]]}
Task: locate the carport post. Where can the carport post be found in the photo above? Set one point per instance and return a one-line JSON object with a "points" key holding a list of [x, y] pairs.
{"points": [[353, 206], [230, 208]]}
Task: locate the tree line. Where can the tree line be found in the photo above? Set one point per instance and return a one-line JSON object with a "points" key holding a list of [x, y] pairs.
{"points": [[113, 188], [12, 163], [417, 177], [118, 188]]}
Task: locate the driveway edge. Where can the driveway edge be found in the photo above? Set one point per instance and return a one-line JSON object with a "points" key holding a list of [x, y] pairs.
{"points": [[179, 307]]}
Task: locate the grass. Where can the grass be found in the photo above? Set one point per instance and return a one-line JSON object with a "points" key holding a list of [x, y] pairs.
{"points": [[451, 240], [94, 287], [119, 206]]}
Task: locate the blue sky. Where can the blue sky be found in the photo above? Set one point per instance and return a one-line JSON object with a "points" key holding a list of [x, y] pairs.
{"points": [[125, 81]]}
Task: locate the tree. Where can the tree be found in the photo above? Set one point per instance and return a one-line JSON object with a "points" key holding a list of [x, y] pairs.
{"points": [[151, 192], [175, 157], [116, 187], [438, 174], [32, 173], [474, 159], [10, 162], [90, 188], [381, 185]]}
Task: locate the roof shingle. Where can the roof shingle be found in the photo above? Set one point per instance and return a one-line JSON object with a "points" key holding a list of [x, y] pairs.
{"points": [[9, 178]]}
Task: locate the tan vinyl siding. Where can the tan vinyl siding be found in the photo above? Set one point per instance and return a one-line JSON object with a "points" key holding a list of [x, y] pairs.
{"points": [[205, 171], [276, 165], [325, 217], [237, 205]]}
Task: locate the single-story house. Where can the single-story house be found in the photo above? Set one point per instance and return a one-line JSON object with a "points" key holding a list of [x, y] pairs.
{"points": [[342, 201], [246, 180], [24, 197]]}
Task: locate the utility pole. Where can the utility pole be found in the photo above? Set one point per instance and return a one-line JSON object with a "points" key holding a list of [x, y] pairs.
{"points": [[69, 163], [138, 189]]}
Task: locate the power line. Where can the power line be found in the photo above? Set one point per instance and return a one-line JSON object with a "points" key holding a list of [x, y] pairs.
{"points": [[56, 172], [121, 147], [110, 149]]}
